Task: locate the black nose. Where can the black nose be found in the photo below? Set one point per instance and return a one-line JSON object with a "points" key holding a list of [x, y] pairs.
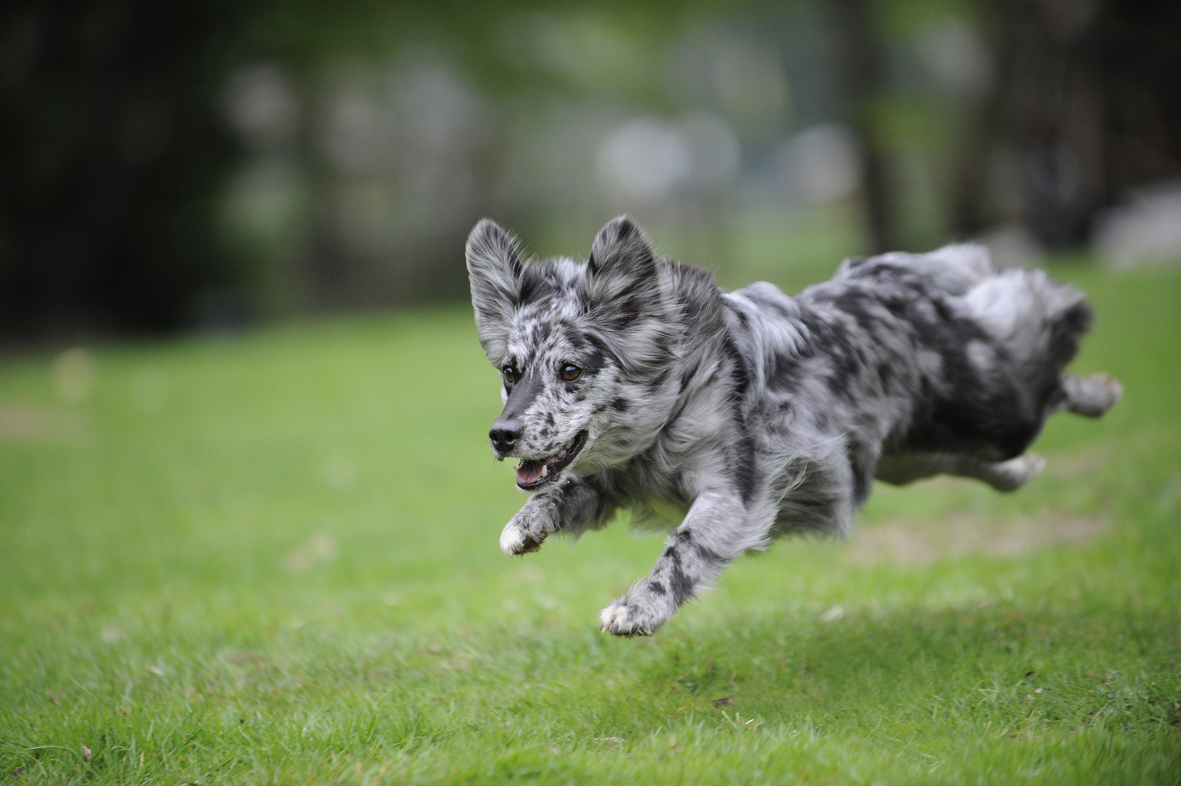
{"points": [[504, 435]]}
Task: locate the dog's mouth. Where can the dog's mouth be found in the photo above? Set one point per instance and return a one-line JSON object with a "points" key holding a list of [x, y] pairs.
{"points": [[533, 474]]}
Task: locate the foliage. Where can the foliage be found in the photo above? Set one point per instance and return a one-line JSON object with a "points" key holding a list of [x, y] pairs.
{"points": [[169, 166]]}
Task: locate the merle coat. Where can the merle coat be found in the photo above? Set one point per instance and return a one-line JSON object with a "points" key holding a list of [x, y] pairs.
{"points": [[631, 381]]}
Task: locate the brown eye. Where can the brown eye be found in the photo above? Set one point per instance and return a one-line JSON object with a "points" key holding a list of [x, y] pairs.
{"points": [[510, 374], [571, 372]]}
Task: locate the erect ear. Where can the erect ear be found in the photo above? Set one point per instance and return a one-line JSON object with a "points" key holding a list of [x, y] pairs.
{"points": [[495, 269], [621, 270]]}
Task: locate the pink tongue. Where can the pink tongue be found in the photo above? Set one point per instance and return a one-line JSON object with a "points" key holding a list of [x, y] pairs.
{"points": [[529, 472]]}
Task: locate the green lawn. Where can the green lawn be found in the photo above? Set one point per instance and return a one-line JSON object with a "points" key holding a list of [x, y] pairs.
{"points": [[273, 559]]}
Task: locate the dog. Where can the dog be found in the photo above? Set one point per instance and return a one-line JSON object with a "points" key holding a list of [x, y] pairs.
{"points": [[631, 381]]}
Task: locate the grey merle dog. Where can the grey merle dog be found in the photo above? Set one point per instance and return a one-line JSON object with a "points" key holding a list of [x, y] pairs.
{"points": [[631, 381]]}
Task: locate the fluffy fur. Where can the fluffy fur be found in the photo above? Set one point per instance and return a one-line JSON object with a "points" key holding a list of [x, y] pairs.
{"points": [[633, 381]]}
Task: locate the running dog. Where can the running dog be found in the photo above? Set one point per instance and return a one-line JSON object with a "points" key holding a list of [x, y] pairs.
{"points": [[631, 381]]}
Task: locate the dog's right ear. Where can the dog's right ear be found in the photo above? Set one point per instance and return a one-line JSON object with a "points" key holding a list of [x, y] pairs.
{"points": [[495, 269], [621, 269]]}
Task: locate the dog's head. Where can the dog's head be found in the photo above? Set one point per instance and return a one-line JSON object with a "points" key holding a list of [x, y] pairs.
{"points": [[577, 345]]}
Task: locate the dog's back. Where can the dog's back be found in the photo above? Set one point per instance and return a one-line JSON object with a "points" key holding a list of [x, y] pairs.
{"points": [[903, 356], [995, 344]]}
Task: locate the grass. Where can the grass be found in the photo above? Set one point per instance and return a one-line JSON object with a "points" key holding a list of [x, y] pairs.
{"points": [[273, 559]]}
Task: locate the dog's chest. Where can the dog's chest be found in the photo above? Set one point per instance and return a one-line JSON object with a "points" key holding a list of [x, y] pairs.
{"points": [[653, 480]]}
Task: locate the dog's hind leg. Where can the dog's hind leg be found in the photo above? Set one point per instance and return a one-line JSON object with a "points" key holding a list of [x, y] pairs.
{"points": [[900, 469], [1005, 475], [1088, 396], [717, 530]]}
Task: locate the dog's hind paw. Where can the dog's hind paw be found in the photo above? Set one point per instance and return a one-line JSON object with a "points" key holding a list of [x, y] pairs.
{"points": [[1091, 396], [515, 541], [1013, 474], [1111, 386]]}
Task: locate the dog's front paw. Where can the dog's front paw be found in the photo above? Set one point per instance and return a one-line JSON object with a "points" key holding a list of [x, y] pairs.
{"points": [[633, 615], [528, 529], [515, 541]]}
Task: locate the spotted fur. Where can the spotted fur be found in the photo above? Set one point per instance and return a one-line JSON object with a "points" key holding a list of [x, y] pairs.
{"points": [[752, 414]]}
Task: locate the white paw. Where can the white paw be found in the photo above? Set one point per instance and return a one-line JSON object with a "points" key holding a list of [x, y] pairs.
{"points": [[515, 541], [615, 619], [630, 616], [511, 540], [1015, 473], [1113, 386], [1093, 395]]}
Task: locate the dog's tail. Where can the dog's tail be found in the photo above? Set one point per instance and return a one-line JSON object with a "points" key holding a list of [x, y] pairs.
{"points": [[1039, 320]]}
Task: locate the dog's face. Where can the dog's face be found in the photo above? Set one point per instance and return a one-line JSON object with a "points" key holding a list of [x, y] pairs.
{"points": [[557, 331]]}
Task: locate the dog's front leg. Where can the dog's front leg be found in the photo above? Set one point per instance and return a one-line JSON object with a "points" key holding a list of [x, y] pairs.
{"points": [[575, 505], [716, 531]]}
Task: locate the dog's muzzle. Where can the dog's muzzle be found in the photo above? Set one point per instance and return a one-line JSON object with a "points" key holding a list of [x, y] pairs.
{"points": [[504, 436], [533, 474]]}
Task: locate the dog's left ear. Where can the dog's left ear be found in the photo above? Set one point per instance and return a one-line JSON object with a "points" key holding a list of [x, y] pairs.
{"points": [[621, 270], [495, 268]]}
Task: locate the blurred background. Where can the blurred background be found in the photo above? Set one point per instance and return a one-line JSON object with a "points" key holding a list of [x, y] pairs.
{"points": [[210, 164]]}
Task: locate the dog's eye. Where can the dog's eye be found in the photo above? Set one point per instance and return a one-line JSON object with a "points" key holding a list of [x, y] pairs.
{"points": [[571, 372], [510, 374]]}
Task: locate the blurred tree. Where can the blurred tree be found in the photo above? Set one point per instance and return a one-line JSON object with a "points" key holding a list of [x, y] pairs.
{"points": [[859, 43], [111, 157], [114, 149], [1087, 99], [119, 154]]}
